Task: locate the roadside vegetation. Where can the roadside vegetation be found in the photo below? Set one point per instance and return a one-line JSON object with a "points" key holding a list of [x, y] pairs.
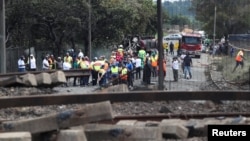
{"points": [[240, 75]]}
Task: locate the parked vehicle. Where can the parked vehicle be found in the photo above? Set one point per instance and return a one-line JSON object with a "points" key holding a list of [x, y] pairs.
{"points": [[191, 43]]}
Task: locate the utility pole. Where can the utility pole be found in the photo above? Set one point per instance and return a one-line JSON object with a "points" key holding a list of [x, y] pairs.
{"points": [[160, 48], [2, 38], [214, 25], [89, 31]]}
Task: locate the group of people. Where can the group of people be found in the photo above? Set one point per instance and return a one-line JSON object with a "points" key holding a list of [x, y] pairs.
{"points": [[186, 63], [24, 64]]}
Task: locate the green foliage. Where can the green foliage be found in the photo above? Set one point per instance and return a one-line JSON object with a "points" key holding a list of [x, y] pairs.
{"points": [[231, 16], [60, 23]]}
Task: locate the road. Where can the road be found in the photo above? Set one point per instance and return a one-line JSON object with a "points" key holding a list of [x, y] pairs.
{"points": [[198, 78]]}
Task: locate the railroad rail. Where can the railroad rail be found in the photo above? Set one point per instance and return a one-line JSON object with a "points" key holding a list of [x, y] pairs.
{"points": [[62, 99], [186, 116]]}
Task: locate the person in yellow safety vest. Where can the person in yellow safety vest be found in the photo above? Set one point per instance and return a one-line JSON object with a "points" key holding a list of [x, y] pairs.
{"points": [[68, 59], [101, 76], [239, 59], [114, 73], [124, 75], [84, 64], [96, 67], [142, 54], [154, 64]]}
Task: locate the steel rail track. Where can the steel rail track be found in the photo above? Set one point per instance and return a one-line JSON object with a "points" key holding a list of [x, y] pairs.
{"points": [[142, 96], [186, 116]]}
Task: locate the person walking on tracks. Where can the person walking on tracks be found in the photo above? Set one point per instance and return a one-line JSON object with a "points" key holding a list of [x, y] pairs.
{"points": [[187, 66], [239, 59]]}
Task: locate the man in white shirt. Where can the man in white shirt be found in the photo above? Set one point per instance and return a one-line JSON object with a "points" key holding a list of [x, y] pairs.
{"points": [[175, 67], [46, 63], [32, 63], [183, 55], [138, 67], [80, 54], [21, 64]]}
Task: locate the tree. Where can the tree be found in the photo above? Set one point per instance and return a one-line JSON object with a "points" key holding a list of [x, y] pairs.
{"points": [[59, 24], [232, 16]]}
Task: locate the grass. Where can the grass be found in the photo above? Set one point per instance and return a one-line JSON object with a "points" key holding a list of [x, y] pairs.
{"points": [[240, 74]]}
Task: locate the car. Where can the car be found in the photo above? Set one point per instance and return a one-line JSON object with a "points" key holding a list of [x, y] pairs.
{"points": [[172, 36]]}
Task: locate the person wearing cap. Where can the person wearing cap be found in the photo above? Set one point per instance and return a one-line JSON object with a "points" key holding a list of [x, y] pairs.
{"points": [[32, 63], [45, 63], [68, 59], [101, 77], [120, 50], [59, 63], [21, 64]]}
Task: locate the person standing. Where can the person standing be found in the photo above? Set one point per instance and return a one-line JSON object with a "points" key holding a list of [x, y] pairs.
{"points": [[187, 66], [21, 64], [101, 78], [175, 67], [46, 63], [59, 63], [147, 71], [68, 59], [154, 64], [138, 67], [32, 63], [182, 61], [171, 47], [239, 59], [80, 54]]}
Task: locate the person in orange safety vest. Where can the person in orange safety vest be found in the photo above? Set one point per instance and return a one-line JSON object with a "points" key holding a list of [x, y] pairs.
{"points": [[239, 59]]}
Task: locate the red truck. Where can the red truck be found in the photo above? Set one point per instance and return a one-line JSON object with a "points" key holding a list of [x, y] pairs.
{"points": [[191, 43]]}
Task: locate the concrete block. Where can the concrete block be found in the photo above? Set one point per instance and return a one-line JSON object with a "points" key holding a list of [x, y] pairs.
{"points": [[71, 135], [104, 132], [174, 130], [15, 136], [58, 77], [43, 79], [89, 113], [29, 79], [35, 125]]}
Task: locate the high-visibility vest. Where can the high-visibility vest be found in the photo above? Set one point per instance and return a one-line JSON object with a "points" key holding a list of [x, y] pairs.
{"points": [[238, 56], [97, 65], [84, 64], [124, 73], [142, 54], [114, 70], [154, 61]]}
